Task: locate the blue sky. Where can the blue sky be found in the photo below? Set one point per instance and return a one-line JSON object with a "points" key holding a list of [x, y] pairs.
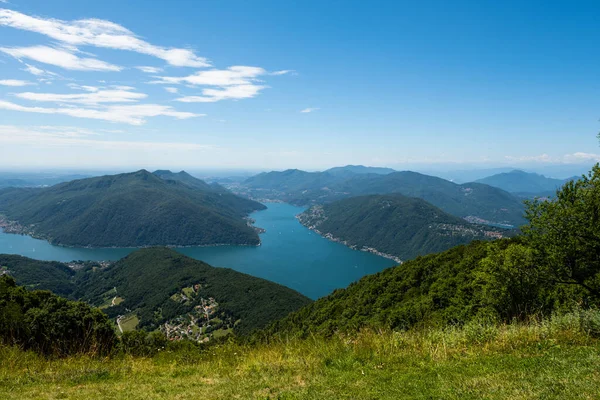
{"points": [[395, 83]]}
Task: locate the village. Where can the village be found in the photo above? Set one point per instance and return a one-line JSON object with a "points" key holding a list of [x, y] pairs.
{"points": [[202, 323]]}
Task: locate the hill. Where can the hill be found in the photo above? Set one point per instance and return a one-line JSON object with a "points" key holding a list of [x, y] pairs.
{"points": [[395, 225], [129, 210], [350, 170], [518, 181], [34, 274], [477, 201], [159, 287]]}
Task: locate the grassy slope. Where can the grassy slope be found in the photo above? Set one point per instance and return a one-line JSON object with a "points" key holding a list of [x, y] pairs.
{"points": [[554, 360]]}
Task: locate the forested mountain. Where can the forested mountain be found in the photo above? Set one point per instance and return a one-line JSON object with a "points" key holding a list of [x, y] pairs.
{"points": [[518, 181], [190, 181], [479, 201], [159, 285], [396, 225], [552, 266], [129, 210], [350, 170]]}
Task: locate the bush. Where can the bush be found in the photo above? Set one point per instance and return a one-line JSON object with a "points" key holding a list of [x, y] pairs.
{"points": [[50, 325]]}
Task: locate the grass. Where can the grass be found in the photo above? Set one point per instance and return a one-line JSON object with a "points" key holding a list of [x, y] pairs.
{"points": [[555, 359], [129, 322]]}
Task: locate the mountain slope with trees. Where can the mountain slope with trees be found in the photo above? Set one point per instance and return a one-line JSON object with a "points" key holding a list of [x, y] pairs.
{"points": [[396, 225], [479, 201], [130, 210], [553, 266], [146, 280]]}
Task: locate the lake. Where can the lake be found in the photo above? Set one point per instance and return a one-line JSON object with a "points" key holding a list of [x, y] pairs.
{"points": [[290, 254]]}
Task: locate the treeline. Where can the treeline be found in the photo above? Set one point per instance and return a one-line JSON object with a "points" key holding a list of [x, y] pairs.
{"points": [[404, 227], [48, 324], [147, 278], [554, 265]]}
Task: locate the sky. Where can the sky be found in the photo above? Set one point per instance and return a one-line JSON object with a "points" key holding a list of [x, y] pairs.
{"points": [[280, 84]]}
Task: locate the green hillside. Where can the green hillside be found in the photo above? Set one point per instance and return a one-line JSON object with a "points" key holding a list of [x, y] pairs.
{"points": [[47, 275], [480, 202], [149, 284], [524, 182], [396, 225], [130, 210]]}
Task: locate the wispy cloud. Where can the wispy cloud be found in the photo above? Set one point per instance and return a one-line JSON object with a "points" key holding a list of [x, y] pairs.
{"points": [[234, 83], [59, 58], [149, 70], [14, 82], [309, 110], [171, 89], [70, 136], [92, 97], [228, 93], [38, 71], [236, 75], [99, 33], [283, 72], [128, 114]]}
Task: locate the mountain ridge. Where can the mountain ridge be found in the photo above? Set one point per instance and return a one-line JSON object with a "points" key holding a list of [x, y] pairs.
{"points": [[135, 209]]}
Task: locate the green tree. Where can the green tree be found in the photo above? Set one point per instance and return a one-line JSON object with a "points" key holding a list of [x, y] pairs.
{"points": [[565, 233]]}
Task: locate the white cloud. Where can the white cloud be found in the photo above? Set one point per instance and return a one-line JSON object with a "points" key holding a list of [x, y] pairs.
{"points": [[171, 89], [91, 97], [83, 87], [14, 82], [309, 109], [581, 157], [60, 58], [235, 83], [228, 93], [98, 33], [283, 72], [149, 70], [236, 75], [38, 71], [128, 114], [69, 136], [121, 87]]}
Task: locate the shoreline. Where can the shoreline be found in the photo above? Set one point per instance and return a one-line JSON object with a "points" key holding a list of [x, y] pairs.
{"points": [[14, 228], [332, 238]]}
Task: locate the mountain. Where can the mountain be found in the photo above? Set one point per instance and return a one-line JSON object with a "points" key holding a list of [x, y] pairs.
{"points": [[291, 180], [350, 170], [395, 225], [130, 210], [25, 179], [159, 286], [477, 201], [518, 181]]}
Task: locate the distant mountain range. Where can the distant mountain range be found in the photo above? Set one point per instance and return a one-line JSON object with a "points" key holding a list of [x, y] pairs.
{"points": [[158, 286], [349, 170], [518, 181], [393, 225], [131, 210], [475, 200]]}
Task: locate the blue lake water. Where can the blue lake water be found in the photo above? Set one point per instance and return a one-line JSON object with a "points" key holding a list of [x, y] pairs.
{"points": [[290, 254]]}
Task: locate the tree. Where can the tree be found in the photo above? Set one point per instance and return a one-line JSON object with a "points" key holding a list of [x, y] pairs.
{"points": [[565, 233]]}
